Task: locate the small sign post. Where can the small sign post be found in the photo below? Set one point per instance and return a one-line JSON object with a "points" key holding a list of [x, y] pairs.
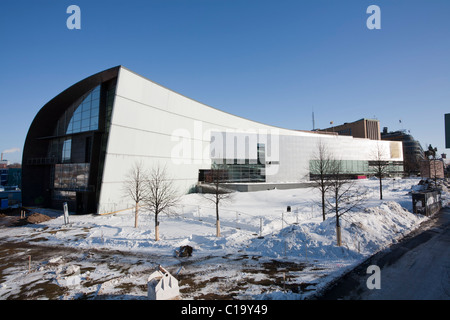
{"points": [[66, 213]]}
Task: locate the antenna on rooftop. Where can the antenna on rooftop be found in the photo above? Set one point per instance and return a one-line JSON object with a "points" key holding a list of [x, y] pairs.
{"points": [[314, 126]]}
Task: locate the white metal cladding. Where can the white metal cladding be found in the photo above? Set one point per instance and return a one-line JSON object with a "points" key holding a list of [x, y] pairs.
{"points": [[158, 126]]}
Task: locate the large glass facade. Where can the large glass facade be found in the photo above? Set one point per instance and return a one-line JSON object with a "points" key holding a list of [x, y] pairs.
{"points": [[79, 130], [63, 151], [72, 176], [81, 116], [359, 167], [244, 170], [85, 116]]}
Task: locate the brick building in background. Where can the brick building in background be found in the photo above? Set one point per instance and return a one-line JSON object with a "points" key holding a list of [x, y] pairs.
{"points": [[432, 169], [363, 128]]}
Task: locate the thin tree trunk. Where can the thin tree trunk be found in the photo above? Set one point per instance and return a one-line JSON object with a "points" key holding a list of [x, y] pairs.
{"points": [[218, 228], [338, 236], [156, 228], [136, 212], [217, 220], [323, 206], [381, 190], [338, 228]]}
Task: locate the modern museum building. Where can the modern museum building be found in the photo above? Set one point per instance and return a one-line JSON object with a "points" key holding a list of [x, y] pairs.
{"points": [[82, 144]]}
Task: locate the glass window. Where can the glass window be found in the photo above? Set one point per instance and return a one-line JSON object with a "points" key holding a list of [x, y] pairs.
{"points": [[94, 124], [244, 170], [85, 116], [76, 116], [70, 128], [67, 148], [96, 93], [94, 113], [76, 126], [85, 123], [71, 176], [64, 195]]}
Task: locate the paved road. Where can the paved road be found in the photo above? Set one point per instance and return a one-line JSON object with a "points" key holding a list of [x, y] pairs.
{"points": [[417, 268]]}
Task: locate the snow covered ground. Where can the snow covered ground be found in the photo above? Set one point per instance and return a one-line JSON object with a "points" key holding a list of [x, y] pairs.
{"points": [[240, 256]]}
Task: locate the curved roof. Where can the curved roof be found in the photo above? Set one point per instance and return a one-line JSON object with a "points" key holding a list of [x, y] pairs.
{"points": [[43, 123]]}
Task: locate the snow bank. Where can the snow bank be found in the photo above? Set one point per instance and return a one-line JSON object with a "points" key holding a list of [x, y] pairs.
{"points": [[362, 232]]}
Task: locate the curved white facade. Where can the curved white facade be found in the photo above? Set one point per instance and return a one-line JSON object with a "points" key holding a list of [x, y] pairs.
{"points": [[158, 126]]}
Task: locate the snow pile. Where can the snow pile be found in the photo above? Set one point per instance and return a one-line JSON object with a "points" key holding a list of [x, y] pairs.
{"points": [[304, 241], [362, 233]]}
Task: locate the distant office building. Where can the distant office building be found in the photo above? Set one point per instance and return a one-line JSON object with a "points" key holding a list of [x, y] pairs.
{"points": [[3, 176], [15, 177], [82, 143], [412, 150], [11, 177], [364, 128]]}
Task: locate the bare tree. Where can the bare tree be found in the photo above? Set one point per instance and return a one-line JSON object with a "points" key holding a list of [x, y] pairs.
{"points": [[379, 166], [344, 195], [217, 193], [320, 169], [161, 195], [135, 187]]}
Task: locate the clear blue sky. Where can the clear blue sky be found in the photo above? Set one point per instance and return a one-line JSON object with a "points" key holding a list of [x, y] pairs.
{"points": [[269, 61]]}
